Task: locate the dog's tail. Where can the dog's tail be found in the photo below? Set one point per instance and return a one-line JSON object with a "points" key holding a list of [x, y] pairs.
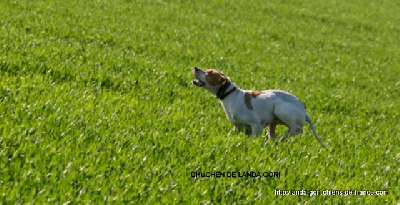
{"points": [[314, 130]]}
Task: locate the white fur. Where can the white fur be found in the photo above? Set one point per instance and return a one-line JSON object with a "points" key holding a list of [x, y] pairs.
{"points": [[270, 108]]}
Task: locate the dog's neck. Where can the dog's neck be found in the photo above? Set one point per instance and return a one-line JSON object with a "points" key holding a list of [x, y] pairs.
{"points": [[226, 89]]}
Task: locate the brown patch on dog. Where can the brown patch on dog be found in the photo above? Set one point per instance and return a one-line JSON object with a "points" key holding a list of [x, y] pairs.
{"points": [[248, 96], [215, 77]]}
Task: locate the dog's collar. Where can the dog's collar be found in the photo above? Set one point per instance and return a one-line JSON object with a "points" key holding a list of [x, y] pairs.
{"points": [[222, 94]]}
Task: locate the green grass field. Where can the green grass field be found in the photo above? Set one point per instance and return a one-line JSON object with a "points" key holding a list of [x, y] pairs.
{"points": [[97, 105]]}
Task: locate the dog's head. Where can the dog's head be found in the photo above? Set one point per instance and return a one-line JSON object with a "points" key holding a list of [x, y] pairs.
{"points": [[210, 79]]}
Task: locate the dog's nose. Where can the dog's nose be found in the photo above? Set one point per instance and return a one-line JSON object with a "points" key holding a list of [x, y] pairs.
{"points": [[196, 70]]}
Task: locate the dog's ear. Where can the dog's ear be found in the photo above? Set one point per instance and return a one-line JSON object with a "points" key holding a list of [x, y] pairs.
{"points": [[215, 77], [223, 79]]}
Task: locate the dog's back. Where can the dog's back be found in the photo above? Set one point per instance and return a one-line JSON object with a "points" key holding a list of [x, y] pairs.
{"points": [[273, 97]]}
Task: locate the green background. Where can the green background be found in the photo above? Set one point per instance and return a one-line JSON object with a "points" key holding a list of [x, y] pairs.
{"points": [[97, 105]]}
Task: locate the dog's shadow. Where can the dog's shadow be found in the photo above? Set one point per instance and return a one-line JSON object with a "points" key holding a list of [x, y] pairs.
{"points": [[246, 129]]}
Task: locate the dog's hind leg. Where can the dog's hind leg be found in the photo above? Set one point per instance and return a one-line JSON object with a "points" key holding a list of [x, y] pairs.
{"points": [[292, 117], [294, 129]]}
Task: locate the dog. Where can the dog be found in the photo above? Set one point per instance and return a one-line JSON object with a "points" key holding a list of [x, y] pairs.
{"points": [[252, 111]]}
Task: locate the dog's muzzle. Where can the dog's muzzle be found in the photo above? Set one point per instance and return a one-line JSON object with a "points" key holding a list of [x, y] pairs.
{"points": [[199, 83]]}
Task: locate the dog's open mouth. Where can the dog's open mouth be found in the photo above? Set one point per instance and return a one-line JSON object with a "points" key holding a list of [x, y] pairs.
{"points": [[199, 83]]}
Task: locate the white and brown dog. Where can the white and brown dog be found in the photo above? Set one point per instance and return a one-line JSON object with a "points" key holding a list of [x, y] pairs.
{"points": [[254, 110]]}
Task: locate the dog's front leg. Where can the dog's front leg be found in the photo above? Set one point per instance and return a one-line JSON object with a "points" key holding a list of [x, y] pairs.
{"points": [[256, 129], [271, 130]]}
